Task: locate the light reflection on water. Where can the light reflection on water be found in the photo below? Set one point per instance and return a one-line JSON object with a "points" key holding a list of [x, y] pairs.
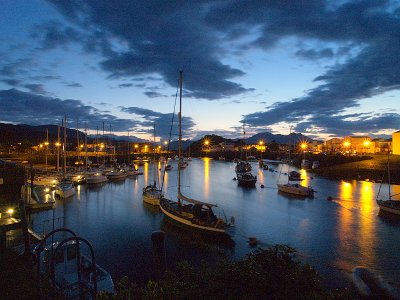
{"points": [[335, 236]]}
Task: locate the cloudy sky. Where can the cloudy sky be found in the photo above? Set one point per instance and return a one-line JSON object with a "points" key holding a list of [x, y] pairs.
{"points": [[324, 68]]}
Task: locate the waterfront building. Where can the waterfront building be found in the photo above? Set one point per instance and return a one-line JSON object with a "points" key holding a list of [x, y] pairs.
{"points": [[396, 143], [334, 145]]}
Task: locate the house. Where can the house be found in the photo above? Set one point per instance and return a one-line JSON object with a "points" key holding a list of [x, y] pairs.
{"points": [[396, 143]]}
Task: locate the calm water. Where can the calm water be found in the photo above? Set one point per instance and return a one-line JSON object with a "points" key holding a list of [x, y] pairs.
{"points": [[334, 236]]}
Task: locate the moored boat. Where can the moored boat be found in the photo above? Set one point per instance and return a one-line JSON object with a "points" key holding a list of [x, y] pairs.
{"points": [[296, 189], [96, 178], [246, 179], [188, 212], [390, 205]]}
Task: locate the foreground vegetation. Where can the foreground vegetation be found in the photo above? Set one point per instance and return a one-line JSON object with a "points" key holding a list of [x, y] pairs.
{"points": [[265, 274]]}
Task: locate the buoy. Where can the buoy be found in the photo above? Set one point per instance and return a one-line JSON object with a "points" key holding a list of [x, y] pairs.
{"points": [[329, 198], [253, 241], [234, 178], [262, 186]]}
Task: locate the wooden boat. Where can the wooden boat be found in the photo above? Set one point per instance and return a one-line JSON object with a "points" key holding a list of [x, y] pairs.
{"points": [[390, 205], [188, 212], [296, 189]]}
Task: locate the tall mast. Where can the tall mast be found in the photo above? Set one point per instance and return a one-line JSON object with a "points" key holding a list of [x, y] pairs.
{"points": [[154, 153], [180, 133], [58, 148], [65, 146], [86, 153]]}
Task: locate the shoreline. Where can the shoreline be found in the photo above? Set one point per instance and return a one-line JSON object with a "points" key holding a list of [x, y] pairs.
{"points": [[373, 170]]}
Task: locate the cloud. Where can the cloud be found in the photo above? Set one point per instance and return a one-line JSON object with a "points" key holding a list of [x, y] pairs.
{"points": [[25, 107], [73, 84], [162, 122], [143, 40], [36, 88], [139, 38]]}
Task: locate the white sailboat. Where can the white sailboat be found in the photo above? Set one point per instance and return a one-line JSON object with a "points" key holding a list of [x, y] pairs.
{"points": [[390, 205], [189, 212], [65, 188], [151, 193]]}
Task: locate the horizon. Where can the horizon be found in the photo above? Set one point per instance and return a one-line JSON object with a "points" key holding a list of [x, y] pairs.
{"points": [[320, 68]]}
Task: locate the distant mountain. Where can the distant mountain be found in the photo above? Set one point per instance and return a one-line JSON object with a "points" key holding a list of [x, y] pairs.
{"points": [[268, 137], [11, 134]]}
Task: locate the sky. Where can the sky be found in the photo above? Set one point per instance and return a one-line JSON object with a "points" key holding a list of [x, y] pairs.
{"points": [[322, 68]]}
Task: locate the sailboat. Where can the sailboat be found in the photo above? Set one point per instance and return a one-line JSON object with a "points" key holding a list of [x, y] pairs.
{"points": [[390, 205], [295, 188], [188, 212], [65, 188], [152, 194]]}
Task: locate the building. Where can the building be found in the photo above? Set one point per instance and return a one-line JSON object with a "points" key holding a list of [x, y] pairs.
{"points": [[359, 145], [334, 145], [396, 143]]}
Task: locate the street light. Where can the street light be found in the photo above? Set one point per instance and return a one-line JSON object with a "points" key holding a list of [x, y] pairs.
{"points": [[366, 144], [346, 145]]}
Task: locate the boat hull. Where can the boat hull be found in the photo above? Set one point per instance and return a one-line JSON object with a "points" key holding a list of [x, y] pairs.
{"points": [[151, 196], [96, 179], [385, 206], [294, 190], [187, 223]]}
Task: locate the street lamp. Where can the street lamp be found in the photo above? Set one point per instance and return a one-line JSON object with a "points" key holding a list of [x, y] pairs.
{"points": [[347, 145], [366, 144], [206, 144]]}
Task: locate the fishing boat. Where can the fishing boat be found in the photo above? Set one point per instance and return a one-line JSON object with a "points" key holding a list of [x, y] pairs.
{"points": [[246, 179], [151, 193], [188, 212], [242, 166], [390, 204]]}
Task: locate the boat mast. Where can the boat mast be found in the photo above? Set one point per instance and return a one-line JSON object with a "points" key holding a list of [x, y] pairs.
{"points": [[65, 145], [388, 168], [154, 154], [180, 134]]}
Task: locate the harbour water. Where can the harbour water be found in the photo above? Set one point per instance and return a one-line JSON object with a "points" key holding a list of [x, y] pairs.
{"points": [[334, 236]]}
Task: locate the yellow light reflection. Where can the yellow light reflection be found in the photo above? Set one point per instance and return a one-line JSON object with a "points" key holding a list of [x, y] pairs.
{"points": [[206, 187], [146, 173], [306, 179]]}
